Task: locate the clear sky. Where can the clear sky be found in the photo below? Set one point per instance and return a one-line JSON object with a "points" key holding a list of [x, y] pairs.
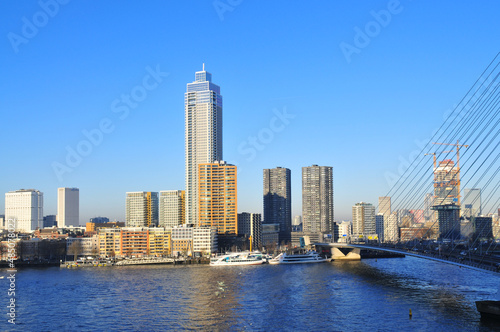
{"points": [[357, 101]]}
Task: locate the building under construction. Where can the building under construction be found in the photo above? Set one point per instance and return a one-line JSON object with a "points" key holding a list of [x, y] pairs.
{"points": [[446, 186]]}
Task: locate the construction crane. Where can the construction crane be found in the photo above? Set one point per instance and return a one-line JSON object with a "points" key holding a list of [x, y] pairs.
{"points": [[434, 154], [458, 146]]}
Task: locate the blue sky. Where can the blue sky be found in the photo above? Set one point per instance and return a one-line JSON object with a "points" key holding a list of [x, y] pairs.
{"points": [[360, 111]]}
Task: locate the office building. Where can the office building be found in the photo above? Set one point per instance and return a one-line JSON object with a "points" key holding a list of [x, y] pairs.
{"points": [[217, 194], [278, 201], [345, 231], [250, 225], [68, 207], [449, 220], [297, 221], [270, 236], [25, 208], [99, 220], [379, 225], [172, 208], [317, 199], [471, 203], [483, 227], [205, 241], [141, 209], [203, 134], [49, 221], [363, 220]]}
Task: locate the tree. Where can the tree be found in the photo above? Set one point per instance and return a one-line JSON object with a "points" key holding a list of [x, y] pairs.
{"points": [[75, 249], [95, 251]]}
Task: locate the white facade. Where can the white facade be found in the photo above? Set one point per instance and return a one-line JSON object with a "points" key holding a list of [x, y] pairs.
{"points": [[363, 219], [171, 208], [68, 207], [25, 206], [345, 231], [391, 232], [297, 221], [203, 134], [205, 239], [89, 245]]}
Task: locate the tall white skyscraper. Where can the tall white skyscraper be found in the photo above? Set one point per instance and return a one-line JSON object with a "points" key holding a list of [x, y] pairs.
{"points": [[317, 199], [25, 206], [68, 207], [203, 134]]}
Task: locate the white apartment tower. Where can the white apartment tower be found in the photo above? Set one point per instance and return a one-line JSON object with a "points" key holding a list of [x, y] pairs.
{"points": [[25, 207], [203, 134], [68, 207], [172, 208]]}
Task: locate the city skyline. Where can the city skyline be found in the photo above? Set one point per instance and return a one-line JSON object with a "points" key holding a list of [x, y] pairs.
{"points": [[269, 119]]}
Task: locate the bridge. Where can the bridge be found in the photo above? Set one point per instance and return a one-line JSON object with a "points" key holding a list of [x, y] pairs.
{"points": [[428, 212], [478, 262]]}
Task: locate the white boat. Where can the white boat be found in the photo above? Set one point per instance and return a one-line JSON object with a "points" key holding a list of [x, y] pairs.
{"points": [[238, 258], [308, 257]]}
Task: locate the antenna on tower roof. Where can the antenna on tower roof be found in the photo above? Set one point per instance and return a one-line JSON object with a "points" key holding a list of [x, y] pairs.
{"points": [[203, 66]]}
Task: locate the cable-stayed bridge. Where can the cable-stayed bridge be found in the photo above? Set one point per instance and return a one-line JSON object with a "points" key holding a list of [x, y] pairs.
{"points": [[446, 208]]}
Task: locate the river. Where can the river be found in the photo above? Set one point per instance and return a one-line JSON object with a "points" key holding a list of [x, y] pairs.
{"points": [[371, 295]]}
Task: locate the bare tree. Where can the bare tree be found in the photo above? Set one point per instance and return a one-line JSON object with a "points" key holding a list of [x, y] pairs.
{"points": [[75, 249]]}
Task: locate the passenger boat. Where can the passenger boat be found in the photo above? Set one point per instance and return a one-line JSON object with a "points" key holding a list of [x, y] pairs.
{"points": [[238, 258], [489, 309], [308, 257]]}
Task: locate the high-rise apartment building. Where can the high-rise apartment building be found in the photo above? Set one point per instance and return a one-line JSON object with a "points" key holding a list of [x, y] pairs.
{"points": [[278, 201], [217, 197], [391, 233], [172, 208], [363, 220], [25, 207], [471, 203], [250, 224], [317, 199], [203, 134], [141, 209], [68, 207]]}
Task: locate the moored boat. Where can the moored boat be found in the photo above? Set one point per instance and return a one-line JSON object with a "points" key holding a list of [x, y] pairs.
{"points": [[489, 309], [238, 258], [301, 258]]}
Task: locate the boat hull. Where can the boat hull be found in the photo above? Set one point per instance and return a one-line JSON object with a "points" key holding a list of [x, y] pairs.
{"points": [[298, 262], [489, 309], [237, 263]]}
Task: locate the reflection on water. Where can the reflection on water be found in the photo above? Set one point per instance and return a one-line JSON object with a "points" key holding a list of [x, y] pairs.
{"points": [[359, 296]]}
